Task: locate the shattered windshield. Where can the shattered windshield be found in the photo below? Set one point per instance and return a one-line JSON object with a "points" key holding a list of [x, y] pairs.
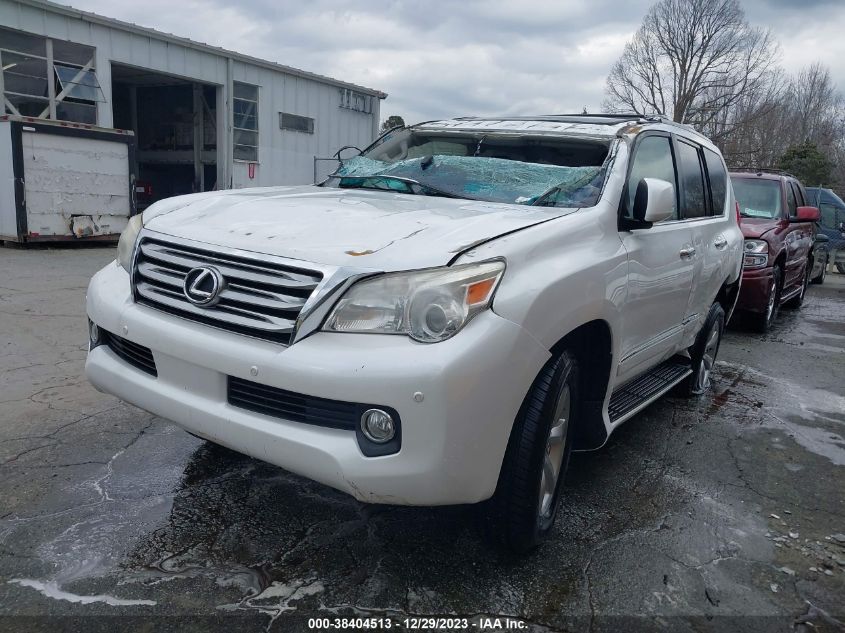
{"points": [[531, 171]]}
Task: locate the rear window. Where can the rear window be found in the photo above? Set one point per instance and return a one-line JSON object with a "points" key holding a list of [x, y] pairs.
{"points": [[758, 198]]}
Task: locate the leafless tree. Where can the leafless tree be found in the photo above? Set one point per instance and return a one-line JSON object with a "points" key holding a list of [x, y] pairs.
{"points": [[787, 111], [691, 60]]}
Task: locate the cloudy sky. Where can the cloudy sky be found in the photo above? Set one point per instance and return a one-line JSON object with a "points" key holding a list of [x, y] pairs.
{"points": [[439, 58]]}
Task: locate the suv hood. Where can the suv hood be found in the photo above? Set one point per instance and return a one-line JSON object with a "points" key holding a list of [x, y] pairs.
{"points": [[342, 227], [756, 227]]}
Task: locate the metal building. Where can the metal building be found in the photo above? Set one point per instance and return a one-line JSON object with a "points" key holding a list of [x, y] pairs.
{"points": [[203, 117]]}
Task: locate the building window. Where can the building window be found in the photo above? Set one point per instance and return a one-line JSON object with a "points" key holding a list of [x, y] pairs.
{"points": [[245, 122], [296, 123], [27, 62], [356, 101]]}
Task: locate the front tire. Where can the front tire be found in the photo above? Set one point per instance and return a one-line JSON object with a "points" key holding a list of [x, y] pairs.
{"points": [[524, 507], [704, 351], [763, 320]]}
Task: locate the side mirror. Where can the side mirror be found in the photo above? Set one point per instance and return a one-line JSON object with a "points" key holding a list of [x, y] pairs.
{"points": [[807, 214], [821, 238], [654, 201]]}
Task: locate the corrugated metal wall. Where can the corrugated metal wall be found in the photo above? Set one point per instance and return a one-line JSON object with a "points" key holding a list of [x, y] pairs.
{"points": [[285, 157]]}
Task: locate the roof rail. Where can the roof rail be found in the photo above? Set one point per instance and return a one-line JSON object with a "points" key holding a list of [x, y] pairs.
{"points": [[579, 117], [763, 170]]}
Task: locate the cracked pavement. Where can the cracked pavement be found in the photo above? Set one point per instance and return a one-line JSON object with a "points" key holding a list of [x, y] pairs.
{"points": [[721, 513]]}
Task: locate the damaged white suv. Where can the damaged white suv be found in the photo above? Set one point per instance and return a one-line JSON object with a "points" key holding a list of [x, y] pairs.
{"points": [[444, 319]]}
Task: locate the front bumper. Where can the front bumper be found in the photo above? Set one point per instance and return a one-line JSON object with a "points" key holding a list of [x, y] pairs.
{"points": [[453, 441], [754, 290]]}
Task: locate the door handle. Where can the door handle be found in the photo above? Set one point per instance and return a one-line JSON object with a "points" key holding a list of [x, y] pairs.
{"points": [[720, 242], [686, 253]]}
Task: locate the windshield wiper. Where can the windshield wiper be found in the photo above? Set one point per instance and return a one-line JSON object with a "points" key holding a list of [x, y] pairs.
{"points": [[412, 186], [544, 199]]}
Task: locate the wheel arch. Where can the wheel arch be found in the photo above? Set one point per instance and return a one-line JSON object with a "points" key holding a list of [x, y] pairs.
{"points": [[728, 295], [592, 344]]}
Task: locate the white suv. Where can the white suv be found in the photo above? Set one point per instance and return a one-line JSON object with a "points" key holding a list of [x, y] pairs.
{"points": [[442, 320]]}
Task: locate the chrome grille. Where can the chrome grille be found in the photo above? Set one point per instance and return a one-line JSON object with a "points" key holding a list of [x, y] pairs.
{"points": [[259, 298]]}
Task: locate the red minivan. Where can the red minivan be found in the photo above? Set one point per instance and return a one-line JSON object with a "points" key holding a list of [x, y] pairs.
{"points": [[779, 230]]}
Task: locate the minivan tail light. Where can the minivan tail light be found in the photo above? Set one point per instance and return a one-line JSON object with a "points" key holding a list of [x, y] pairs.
{"points": [[738, 216]]}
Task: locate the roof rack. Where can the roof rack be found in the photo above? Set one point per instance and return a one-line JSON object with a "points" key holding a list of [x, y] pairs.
{"points": [[595, 119], [763, 170]]}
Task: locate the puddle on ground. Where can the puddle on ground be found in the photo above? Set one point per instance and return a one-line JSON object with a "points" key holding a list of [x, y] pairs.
{"points": [[814, 418]]}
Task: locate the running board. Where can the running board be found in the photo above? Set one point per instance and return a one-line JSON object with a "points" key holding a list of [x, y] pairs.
{"points": [[635, 395]]}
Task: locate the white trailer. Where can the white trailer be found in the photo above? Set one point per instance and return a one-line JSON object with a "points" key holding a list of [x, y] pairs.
{"points": [[64, 181]]}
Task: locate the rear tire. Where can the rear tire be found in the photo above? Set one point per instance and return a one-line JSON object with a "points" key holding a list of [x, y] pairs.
{"points": [[763, 320], [819, 279], [704, 351], [840, 268], [522, 511]]}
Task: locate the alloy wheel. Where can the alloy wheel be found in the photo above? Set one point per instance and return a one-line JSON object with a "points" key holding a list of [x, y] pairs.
{"points": [[708, 359], [554, 452], [770, 307]]}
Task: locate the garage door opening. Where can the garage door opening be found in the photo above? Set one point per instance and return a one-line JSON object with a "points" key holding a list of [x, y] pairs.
{"points": [[175, 124]]}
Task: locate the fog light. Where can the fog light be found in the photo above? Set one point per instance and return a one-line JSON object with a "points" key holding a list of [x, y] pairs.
{"points": [[377, 426], [93, 334]]}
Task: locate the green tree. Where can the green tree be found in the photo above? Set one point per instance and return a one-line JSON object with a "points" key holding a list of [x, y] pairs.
{"points": [[394, 120], [808, 164]]}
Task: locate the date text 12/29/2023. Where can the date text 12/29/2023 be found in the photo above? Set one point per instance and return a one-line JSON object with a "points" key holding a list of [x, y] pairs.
{"points": [[418, 623]]}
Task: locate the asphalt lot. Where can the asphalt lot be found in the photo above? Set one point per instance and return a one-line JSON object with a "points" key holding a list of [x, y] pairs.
{"points": [[721, 513]]}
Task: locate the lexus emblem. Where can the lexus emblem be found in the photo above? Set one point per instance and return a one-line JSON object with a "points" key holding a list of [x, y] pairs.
{"points": [[203, 286]]}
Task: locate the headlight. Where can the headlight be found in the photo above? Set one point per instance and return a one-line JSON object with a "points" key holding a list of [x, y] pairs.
{"points": [[126, 244], [429, 306], [756, 253]]}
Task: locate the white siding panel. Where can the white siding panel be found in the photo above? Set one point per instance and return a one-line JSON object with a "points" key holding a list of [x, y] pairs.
{"points": [[8, 214], [79, 31], [158, 54]]}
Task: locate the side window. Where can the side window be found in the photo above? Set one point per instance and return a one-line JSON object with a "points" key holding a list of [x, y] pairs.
{"points": [[718, 182], [791, 206], [799, 195], [694, 204], [652, 159], [828, 212]]}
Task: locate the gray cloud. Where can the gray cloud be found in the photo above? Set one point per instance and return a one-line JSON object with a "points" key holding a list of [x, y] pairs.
{"points": [[439, 59]]}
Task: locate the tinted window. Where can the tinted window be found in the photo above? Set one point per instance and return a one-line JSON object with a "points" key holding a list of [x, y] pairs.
{"points": [[690, 174], [799, 195], [815, 196], [652, 159], [757, 197], [718, 181], [828, 212], [791, 206]]}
